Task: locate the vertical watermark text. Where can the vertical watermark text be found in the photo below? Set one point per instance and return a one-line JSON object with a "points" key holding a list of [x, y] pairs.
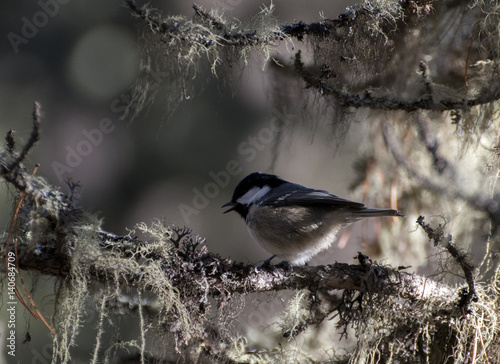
{"points": [[11, 304]]}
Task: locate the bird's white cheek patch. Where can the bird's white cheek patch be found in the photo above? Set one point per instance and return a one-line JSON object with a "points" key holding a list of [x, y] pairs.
{"points": [[253, 194]]}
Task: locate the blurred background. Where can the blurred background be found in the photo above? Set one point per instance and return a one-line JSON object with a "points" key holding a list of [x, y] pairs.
{"points": [[80, 61], [81, 67]]}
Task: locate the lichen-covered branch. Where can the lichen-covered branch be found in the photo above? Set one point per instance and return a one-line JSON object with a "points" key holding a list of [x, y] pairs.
{"points": [[224, 33], [389, 102], [225, 276], [382, 56], [325, 28]]}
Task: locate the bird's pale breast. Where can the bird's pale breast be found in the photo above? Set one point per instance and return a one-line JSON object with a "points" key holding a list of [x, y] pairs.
{"points": [[294, 233]]}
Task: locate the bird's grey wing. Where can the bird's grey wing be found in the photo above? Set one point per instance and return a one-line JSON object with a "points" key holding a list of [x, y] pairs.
{"points": [[306, 197], [293, 194]]}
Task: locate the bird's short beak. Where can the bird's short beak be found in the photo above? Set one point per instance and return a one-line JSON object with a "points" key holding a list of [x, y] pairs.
{"points": [[232, 206]]}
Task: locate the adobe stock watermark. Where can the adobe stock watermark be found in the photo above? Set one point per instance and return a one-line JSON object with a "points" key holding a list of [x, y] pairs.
{"points": [[249, 149], [30, 26], [11, 303]]}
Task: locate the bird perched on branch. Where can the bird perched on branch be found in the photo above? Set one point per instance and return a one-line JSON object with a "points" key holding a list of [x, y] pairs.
{"points": [[291, 221]]}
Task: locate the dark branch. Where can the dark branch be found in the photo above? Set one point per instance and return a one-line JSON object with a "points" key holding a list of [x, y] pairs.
{"points": [[9, 138], [441, 164], [11, 169]]}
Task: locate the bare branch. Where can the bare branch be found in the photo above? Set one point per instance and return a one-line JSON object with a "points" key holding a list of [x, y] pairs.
{"points": [[441, 164], [9, 138], [32, 140], [10, 167], [437, 235], [13, 171]]}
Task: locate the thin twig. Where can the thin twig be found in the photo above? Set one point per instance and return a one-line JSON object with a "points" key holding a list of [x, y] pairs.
{"points": [[11, 171], [10, 140], [32, 140], [142, 13], [437, 235]]}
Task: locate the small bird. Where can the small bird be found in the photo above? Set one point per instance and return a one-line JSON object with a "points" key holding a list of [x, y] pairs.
{"points": [[293, 222]]}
